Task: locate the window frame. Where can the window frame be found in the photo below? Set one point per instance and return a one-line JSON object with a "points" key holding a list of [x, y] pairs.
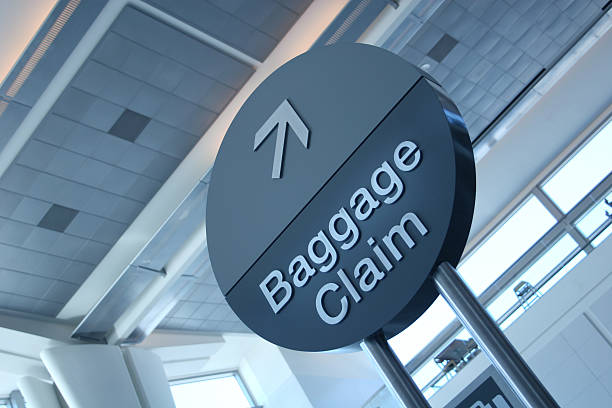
{"points": [[565, 224], [214, 376]]}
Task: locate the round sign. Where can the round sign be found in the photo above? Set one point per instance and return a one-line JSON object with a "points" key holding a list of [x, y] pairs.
{"points": [[344, 180]]}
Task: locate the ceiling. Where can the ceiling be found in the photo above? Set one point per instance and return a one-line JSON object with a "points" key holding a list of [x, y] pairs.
{"points": [[151, 89], [487, 53], [19, 21], [136, 107]]}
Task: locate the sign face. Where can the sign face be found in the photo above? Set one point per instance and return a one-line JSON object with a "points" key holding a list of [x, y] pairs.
{"points": [[344, 180], [489, 390]]}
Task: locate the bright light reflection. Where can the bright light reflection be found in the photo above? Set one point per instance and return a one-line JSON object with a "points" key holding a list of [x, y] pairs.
{"points": [[224, 392], [506, 245], [594, 218], [485, 265], [412, 340], [582, 172]]}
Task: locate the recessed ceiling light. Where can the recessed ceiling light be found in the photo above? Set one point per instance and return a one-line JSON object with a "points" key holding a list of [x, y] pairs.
{"points": [[425, 66]]}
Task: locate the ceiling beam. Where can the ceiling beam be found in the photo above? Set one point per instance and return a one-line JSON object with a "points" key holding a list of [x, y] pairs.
{"points": [[36, 325], [387, 22], [138, 310]]}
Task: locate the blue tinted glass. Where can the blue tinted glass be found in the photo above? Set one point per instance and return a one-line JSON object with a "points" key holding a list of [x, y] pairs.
{"points": [[412, 340], [601, 237]]}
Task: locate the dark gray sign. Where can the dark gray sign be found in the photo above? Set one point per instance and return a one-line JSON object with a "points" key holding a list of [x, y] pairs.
{"points": [[489, 390], [345, 178]]}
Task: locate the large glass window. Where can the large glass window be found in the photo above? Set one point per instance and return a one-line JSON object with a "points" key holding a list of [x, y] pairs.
{"points": [[506, 245], [217, 391], [582, 172], [554, 252], [533, 275], [412, 340]]}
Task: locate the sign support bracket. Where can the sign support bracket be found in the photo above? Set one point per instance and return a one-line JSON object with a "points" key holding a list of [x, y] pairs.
{"points": [[491, 339], [393, 372]]}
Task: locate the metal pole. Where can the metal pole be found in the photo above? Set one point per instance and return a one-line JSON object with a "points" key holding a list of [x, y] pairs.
{"points": [[393, 372], [491, 339]]}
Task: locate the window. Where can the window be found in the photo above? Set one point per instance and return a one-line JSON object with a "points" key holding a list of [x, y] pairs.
{"points": [[506, 245], [600, 238], [412, 340], [595, 217], [582, 172], [216, 391]]}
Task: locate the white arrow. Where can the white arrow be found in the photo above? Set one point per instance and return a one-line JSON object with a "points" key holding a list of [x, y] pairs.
{"points": [[283, 115]]}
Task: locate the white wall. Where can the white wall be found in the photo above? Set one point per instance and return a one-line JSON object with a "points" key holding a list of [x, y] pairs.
{"points": [[566, 338], [332, 380], [271, 380], [20, 356], [148, 377], [262, 365]]}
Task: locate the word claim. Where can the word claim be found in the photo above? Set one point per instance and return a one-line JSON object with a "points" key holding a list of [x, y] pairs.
{"points": [[386, 187]]}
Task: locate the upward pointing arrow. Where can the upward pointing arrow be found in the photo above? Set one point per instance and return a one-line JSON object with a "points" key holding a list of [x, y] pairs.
{"points": [[282, 117]]}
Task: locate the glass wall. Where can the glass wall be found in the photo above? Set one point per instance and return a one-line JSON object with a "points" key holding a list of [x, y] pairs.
{"points": [[216, 391], [563, 219]]}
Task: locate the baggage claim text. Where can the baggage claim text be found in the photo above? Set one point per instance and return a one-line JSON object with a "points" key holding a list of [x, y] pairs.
{"points": [[387, 187]]}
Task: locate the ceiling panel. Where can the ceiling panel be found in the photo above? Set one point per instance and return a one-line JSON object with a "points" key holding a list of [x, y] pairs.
{"points": [[134, 110], [486, 52], [203, 309]]}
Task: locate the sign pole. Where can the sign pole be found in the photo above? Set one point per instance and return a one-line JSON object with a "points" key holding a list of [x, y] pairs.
{"points": [[491, 339], [393, 372]]}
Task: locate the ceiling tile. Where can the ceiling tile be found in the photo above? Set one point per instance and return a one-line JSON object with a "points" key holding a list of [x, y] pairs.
{"points": [[84, 225], [439, 51], [129, 125], [30, 210], [60, 292], [9, 203], [57, 218], [109, 231], [76, 272]]}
